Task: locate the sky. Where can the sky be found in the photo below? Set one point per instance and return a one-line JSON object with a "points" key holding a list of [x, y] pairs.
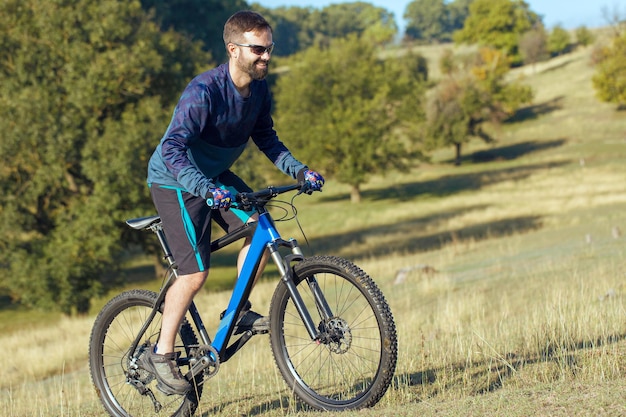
{"points": [[569, 14]]}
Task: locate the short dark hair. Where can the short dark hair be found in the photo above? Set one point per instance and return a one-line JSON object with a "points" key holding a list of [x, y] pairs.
{"points": [[242, 22]]}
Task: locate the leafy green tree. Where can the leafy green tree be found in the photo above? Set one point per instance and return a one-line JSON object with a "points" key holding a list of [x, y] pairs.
{"points": [[458, 11], [559, 41], [292, 31], [609, 80], [297, 28], [498, 24], [584, 36], [203, 20], [467, 99], [87, 91], [426, 20], [435, 20], [348, 112], [343, 19]]}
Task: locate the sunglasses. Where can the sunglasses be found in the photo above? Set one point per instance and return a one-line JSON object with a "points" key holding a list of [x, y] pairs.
{"points": [[257, 49]]}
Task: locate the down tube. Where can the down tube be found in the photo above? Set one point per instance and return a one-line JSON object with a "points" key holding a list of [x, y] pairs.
{"points": [[265, 233]]}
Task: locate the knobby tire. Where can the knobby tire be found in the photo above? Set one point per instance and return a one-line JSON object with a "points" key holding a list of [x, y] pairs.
{"points": [[354, 368], [112, 335]]}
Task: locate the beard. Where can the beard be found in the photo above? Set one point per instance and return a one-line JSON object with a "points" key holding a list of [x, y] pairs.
{"points": [[251, 68]]}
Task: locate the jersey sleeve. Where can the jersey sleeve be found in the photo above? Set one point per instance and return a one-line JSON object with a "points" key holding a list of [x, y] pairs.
{"points": [[188, 120]]}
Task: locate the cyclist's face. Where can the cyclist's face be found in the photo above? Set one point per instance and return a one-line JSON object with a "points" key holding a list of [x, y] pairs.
{"points": [[256, 66]]}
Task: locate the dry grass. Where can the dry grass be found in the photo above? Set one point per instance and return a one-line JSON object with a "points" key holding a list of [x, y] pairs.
{"points": [[520, 310]]}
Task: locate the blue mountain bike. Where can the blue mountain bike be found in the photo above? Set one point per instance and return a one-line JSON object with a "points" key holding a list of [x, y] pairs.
{"points": [[331, 331]]}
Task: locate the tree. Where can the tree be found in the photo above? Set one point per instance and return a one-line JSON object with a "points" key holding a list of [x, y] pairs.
{"points": [[435, 20], [426, 20], [609, 80], [533, 46], [358, 18], [615, 19], [498, 24], [297, 28], [202, 20], [349, 112], [458, 11], [88, 87], [584, 36], [558, 41], [467, 99], [290, 26]]}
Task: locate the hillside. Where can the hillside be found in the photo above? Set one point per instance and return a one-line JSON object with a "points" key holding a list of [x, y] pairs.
{"points": [[513, 298]]}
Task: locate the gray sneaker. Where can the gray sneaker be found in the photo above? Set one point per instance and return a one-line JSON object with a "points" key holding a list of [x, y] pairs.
{"points": [[250, 320], [170, 381]]}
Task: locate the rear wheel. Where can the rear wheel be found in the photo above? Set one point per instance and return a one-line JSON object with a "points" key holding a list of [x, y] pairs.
{"points": [[352, 364], [123, 387]]}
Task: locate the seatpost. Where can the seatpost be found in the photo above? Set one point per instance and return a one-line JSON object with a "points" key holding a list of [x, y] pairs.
{"points": [[167, 254]]}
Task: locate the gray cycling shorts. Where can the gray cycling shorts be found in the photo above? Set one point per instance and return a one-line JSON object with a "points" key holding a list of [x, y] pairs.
{"points": [[187, 221]]}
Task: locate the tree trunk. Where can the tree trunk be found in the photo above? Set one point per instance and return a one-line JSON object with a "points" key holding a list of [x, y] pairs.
{"points": [[457, 160], [355, 194]]}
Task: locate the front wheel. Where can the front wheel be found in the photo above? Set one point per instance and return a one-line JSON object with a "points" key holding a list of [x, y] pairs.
{"points": [[124, 388], [352, 363]]}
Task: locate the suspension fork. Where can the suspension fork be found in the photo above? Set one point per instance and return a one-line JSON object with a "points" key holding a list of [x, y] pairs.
{"points": [[286, 272]]}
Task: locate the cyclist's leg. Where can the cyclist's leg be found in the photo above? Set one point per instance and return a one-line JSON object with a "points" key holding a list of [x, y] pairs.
{"points": [[186, 222], [177, 302]]}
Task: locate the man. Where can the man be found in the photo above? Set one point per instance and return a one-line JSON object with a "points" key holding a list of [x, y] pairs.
{"points": [[191, 183]]}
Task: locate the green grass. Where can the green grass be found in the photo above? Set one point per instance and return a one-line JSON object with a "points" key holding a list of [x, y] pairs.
{"points": [[523, 310]]}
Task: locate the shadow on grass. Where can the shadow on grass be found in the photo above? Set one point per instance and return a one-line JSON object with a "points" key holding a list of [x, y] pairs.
{"points": [[536, 110], [489, 375], [514, 151], [406, 237], [509, 152], [284, 402], [456, 183]]}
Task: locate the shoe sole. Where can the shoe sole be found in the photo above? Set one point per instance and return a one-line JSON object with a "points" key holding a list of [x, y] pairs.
{"points": [[161, 385], [167, 390], [261, 328]]}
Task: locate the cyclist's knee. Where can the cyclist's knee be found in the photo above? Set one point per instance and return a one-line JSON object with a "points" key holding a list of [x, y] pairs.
{"points": [[194, 281]]}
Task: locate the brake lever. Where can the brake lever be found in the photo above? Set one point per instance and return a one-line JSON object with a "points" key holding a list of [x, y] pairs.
{"points": [[243, 202], [305, 187]]}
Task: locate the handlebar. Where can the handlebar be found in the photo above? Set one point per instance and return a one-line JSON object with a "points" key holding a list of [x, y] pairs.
{"points": [[246, 201]]}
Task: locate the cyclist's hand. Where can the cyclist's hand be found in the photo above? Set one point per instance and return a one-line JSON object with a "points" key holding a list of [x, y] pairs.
{"points": [[220, 198], [314, 179]]}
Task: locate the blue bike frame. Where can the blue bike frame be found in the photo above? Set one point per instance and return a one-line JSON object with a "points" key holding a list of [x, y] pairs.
{"points": [[265, 233], [264, 237]]}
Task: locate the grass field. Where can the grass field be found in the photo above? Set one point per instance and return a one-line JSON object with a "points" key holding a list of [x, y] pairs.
{"points": [[515, 298]]}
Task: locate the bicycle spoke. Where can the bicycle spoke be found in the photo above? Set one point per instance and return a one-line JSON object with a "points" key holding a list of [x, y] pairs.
{"points": [[343, 367]]}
